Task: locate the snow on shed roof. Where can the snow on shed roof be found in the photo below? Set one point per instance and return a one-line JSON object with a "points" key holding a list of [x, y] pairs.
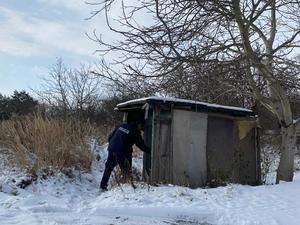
{"points": [[179, 101]]}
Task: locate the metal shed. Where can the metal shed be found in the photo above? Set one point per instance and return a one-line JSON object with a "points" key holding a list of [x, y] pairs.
{"points": [[195, 143]]}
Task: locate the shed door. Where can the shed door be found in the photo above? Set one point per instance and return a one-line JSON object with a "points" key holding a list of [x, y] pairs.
{"points": [[161, 153], [189, 148]]}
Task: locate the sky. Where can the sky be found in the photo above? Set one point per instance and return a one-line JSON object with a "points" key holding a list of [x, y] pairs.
{"points": [[35, 33]]}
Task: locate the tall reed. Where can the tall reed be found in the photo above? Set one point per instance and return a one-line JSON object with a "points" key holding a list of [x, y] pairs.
{"points": [[38, 142]]}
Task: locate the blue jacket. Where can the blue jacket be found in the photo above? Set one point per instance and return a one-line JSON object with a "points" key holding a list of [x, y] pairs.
{"points": [[124, 137]]}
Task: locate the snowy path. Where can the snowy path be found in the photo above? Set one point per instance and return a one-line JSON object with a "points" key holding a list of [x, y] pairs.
{"points": [[60, 201], [63, 201]]}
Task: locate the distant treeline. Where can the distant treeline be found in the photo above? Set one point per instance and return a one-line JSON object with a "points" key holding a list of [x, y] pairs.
{"points": [[18, 104], [21, 103]]}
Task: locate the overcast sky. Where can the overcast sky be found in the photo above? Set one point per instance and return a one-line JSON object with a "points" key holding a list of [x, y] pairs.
{"points": [[34, 33]]}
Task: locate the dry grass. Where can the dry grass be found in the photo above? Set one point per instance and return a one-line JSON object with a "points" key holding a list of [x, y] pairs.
{"points": [[39, 143], [118, 178]]}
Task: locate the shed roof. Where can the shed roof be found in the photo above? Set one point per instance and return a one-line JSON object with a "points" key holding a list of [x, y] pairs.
{"points": [[195, 105]]}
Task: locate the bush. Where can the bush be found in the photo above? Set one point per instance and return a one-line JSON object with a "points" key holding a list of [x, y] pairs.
{"points": [[39, 143], [20, 103]]}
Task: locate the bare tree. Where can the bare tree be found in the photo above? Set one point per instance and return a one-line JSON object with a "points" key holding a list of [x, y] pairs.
{"points": [[84, 88], [71, 91], [206, 82], [55, 89], [256, 37]]}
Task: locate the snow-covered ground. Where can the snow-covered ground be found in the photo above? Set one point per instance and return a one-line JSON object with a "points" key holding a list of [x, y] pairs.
{"points": [[62, 200]]}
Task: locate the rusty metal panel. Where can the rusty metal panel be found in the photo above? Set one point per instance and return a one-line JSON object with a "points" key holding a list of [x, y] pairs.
{"points": [[189, 148], [247, 158], [220, 150]]}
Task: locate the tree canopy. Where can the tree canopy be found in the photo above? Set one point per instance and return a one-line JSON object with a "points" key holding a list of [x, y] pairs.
{"points": [[251, 42]]}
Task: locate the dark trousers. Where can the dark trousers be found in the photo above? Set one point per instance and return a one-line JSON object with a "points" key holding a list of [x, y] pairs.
{"points": [[112, 160]]}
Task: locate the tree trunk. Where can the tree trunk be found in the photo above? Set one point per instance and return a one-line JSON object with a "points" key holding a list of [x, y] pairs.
{"points": [[285, 169]]}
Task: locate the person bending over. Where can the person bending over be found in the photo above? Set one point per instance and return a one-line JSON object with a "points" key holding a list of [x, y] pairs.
{"points": [[120, 150]]}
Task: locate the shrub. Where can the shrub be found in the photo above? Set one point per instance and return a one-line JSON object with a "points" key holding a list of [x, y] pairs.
{"points": [[20, 103], [39, 143]]}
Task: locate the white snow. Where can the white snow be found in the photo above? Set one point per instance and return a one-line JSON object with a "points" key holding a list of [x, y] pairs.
{"points": [[169, 99], [61, 200]]}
